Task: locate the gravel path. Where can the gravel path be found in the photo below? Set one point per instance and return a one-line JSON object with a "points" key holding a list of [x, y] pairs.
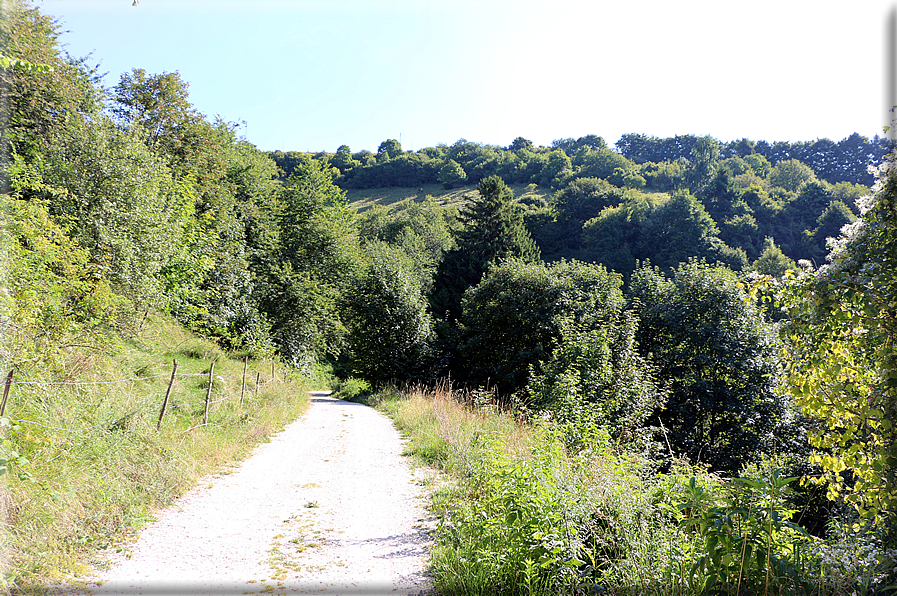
{"points": [[328, 506]]}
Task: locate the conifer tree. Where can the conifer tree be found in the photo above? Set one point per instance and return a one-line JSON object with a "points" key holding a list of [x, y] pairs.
{"points": [[492, 229]]}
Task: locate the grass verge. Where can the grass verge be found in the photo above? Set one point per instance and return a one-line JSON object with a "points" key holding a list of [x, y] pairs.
{"points": [[523, 515], [90, 466]]}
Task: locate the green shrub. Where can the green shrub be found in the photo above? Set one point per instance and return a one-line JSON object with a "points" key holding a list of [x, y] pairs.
{"points": [[352, 389], [510, 536], [522, 513], [749, 542]]}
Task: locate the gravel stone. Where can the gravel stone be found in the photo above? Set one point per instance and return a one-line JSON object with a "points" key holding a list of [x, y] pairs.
{"points": [[328, 506]]}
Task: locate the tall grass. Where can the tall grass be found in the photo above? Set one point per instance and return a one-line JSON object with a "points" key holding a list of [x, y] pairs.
{"points": [[92, 466], [524, 515], [444, 433]]}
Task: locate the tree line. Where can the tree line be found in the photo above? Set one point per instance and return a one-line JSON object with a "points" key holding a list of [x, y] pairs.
{"points": [[622, 302], [522, 162], [740, 200]]}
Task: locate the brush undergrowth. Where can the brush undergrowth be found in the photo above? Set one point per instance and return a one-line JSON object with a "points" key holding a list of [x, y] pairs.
{"points": [[90, 466], [524, 514]]}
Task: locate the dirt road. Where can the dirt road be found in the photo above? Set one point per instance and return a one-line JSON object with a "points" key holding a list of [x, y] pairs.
{"points": [[328, 506]]}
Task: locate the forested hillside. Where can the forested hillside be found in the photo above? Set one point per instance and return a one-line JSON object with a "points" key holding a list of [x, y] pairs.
{"points": [[733, 202], [642, 301]]}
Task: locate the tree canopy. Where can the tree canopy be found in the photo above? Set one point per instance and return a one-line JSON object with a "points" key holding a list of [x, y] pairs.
{"points": [[510, 319], [720, 359]]}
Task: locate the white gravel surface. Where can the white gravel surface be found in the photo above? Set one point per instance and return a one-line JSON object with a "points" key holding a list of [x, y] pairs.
{"points": [[328, 506]]}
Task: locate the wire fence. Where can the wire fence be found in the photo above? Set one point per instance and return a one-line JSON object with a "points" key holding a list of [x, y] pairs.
{"points": [[76, 383], [207, 403]]}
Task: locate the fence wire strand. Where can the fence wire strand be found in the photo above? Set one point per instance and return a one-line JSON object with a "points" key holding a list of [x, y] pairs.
{"points": [[75, 383], [149, 408]]}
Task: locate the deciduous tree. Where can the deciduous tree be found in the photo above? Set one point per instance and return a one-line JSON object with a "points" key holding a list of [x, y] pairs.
{"points": [[389, 149], [122, 204], [676, 230], [38, 101], [159, 104], [451, 174], [720, 359], [772, 261], [584, 198], [790, 174], [511, 319], [389, 329], [595, 377], [316, 257], [843, 359]]}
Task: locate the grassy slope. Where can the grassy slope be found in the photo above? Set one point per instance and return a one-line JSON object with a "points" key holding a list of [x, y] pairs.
{"points": [[364, 199], [97, 467]]}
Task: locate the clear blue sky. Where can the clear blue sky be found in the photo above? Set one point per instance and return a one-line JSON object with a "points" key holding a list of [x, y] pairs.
{"points": [[311, 75]]}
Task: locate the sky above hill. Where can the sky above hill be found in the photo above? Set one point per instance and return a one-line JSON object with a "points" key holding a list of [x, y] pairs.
{"points": [[311, 75]]}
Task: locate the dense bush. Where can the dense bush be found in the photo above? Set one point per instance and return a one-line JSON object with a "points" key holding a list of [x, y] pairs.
{"points": [[720, 358], [510, 320]]}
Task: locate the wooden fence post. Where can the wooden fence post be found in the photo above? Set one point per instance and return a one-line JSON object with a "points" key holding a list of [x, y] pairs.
{"points": [[272, 370], [258, 377], [6, 393], [205, 416], [243, 386], [174, 369]]}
